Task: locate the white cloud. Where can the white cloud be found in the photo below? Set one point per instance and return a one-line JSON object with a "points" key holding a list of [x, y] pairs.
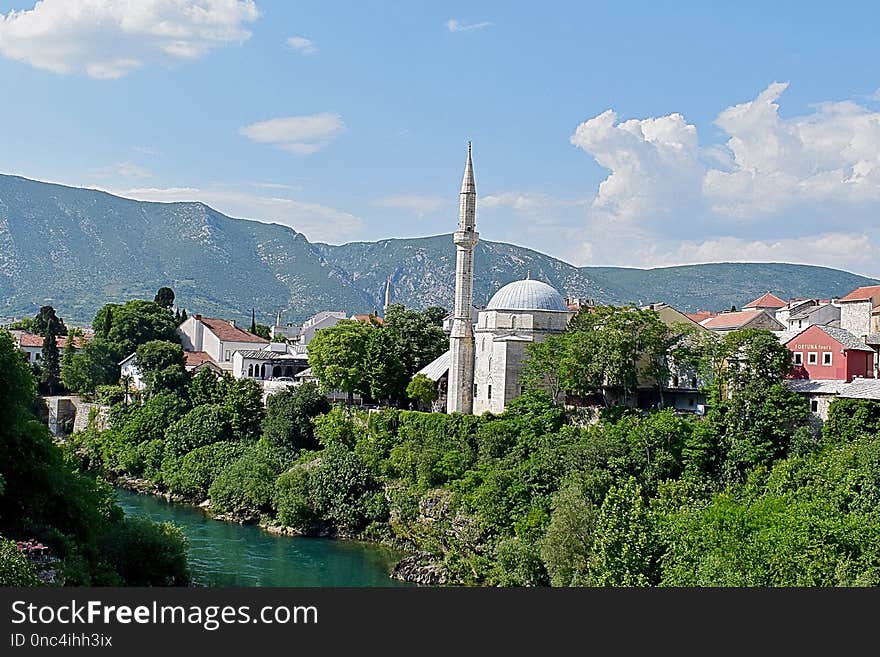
{"points": [[317, 222], [128, 170], [804, 188], [421, 205], [302, 45], [454, 25], [297, 134], [526, 202], [108, 39]]}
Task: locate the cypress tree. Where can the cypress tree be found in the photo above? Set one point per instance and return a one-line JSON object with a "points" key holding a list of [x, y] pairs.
{"points": [[51, 360], [253, 321], [183, 316], [108, 322]]}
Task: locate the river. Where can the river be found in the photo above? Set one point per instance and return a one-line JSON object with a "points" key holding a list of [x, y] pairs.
{"points": [[228, 554]]}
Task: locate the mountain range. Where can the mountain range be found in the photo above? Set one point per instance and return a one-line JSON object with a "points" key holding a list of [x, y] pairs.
{"points": [[77, 249]]}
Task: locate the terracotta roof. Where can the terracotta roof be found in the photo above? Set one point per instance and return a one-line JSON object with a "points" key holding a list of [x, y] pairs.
{"points": [[730, 320], [31, 340], [368, 319], [229, 333], [700, 315], [767, 300], [862, 293], [195, 358]]}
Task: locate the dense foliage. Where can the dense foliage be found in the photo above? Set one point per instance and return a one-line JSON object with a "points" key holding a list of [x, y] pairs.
{"points": [[44, 498]]}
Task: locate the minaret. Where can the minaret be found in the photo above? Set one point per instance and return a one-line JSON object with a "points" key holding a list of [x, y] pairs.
{"points": [[387, 296], [460, 390]]}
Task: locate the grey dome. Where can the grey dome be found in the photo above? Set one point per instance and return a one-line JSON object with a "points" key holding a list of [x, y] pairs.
{"points": [[527, 295]]}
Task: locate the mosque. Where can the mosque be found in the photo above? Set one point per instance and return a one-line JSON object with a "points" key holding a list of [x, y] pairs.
{"points": [[481, 371]]}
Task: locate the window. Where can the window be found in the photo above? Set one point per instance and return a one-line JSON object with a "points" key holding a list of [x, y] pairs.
{"points": [[812, 358], [227, 355], [798, 358], [814, 406], [489, 393], [690, 401], [826, 358], [693, 382], [475, 390]]}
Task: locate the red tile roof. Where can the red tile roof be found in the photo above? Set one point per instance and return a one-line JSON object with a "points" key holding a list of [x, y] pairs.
{"points": [[767, 300], [700, 315], [226, 332], [196, 358], [368, 319], [730, 320], [862, 293], [31, 340]]}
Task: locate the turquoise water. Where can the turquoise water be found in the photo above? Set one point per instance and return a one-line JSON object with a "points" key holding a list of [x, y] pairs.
{"points": [[228, 554]]}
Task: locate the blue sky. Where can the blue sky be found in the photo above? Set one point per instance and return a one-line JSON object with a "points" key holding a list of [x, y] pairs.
{"points": [[636, 134]]}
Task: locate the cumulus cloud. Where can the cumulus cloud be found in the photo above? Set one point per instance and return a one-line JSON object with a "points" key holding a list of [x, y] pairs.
{"points": [[302, 135], [420, 205], [454, 25], [302, 45], [317, 222], [801, 189], [108, 39]]}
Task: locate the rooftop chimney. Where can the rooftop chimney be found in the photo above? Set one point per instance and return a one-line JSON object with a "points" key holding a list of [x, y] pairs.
{"points": [[232, 323], [198, 317]]}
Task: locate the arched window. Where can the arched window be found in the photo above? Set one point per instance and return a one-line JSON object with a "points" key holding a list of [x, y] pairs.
{"points": [[276, 371], [513, 322], [251, 370], [262, 371]]}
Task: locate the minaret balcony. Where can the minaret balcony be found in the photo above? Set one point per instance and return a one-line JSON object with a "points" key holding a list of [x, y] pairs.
{"points": [[466, 238]]}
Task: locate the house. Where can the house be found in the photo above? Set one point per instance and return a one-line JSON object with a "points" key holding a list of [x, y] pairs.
{"points": [[820, 394], [684, 389], [742, 319], [769, 302], [289, 331], [276, 361], [823, 314], [860, 311], [315, 323], [128, 370], [831, 354], [219, 338], [32, 345]]}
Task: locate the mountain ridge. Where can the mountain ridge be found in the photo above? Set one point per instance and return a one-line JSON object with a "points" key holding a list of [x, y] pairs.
{"points": [[95, 247]]}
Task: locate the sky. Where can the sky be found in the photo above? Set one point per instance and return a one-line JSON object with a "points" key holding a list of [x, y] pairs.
{"points": [[636, 134]]}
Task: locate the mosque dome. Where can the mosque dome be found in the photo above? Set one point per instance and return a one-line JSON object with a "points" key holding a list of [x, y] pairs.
{"points": [[527, 295]]}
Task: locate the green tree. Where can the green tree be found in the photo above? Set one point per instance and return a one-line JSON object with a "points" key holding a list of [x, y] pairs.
{"points": [[423, 391], [205, 388], [247, 484], [850, 419], [145, 553], [567, 545], [46, 320], [289, 413], [243, 400], [136, 323], [164, 298], [201, 426], [420, 337], [337, 356], [386, 376], [51, 362], [623, 547], [543, 366], [435, 315], [263, 331], [163, 366]]}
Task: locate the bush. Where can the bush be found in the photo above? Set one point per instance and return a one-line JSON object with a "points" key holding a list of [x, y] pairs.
{"points": [[247, 484], [288, 422], [145, 553], [201, 426], [193, 474], [292, 498], [15, 569]]}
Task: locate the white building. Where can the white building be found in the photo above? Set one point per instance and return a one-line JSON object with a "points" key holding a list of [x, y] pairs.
{"points": [[315, 323], [128, 369], [277, 361], [219, 338], [288, 331]]}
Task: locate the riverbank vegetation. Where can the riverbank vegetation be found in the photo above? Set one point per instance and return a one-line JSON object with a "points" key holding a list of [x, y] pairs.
{"points": [[80, 535], [751, 494]]}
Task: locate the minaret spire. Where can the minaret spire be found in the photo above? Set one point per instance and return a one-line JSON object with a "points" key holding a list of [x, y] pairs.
{"points": [[460, 390], [387, 296]]}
